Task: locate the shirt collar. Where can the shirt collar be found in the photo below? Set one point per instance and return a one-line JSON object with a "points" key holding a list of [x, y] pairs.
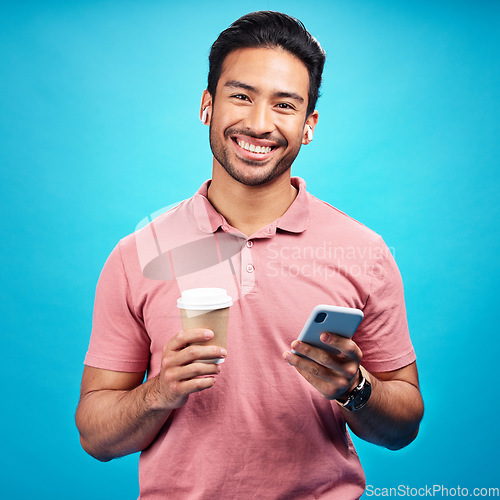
{"points": [[295, 219]]}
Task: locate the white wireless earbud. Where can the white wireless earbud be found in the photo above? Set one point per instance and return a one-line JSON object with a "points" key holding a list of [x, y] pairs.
{"points": [[309, 133], [204, 116]]}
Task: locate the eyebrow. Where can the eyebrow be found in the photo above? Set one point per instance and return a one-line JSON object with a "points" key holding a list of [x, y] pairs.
{"points": [[282, 94]]}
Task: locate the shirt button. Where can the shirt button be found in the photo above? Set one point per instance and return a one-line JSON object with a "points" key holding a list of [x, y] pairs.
{"points": [[250, 268], [249, 244]]}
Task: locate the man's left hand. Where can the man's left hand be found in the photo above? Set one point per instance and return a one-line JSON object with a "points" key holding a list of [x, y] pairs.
{"points": [[333, 375]]}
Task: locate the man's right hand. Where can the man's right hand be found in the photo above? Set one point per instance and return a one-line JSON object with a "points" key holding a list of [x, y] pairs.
{"points": [[180, 373], [118, 414]]}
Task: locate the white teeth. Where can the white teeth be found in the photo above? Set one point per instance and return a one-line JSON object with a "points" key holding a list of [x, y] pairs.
{"points": [[252, 148]]}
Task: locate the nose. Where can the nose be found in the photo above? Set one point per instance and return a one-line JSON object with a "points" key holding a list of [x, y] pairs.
{"points": [[259, 119]]}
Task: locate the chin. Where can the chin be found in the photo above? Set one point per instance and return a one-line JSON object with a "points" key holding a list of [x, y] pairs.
{"points": [[256, 175], [255, 179]]}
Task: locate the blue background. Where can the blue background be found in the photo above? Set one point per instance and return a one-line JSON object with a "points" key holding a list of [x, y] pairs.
{"points": [[99, 127]]}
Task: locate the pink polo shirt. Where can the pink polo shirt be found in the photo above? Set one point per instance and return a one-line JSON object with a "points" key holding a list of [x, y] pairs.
{"points": [[262, 431]]}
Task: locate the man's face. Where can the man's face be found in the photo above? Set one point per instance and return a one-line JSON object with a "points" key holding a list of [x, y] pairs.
{"points": [[258, 116]]}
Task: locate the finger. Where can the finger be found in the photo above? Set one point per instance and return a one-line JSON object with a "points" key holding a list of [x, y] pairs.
{"points": [[316, 354], [345, 352], [337, 363], [185, 337], [347, 348], [309, 368], [191, 371], [179, 391], [197, 385], [197, 352], [329, 385], [334, 367], [180, 381]]}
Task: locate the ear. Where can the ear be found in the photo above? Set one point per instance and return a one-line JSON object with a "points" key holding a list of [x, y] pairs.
{"points": [[206, 107], [309, 127]]}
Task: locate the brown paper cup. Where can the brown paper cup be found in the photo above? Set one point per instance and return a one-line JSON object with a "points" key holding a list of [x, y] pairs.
{"points": [[206, 308], [217, 321]]}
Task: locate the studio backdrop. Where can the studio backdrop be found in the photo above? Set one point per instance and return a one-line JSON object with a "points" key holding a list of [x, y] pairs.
{"points": [[99, 128]]}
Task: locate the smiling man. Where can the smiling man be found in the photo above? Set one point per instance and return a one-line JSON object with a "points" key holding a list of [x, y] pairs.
{"points": [[265, 429], [259, 119], [256, 129]]}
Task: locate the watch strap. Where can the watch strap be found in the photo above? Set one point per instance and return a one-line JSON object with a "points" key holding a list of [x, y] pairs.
{"points": [[359, 396]]}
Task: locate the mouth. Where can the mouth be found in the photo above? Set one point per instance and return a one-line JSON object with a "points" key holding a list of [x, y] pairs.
{"points": [[254, 149]]}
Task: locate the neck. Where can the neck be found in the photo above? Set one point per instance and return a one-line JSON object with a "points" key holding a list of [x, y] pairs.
{"points": [[250, 208]]}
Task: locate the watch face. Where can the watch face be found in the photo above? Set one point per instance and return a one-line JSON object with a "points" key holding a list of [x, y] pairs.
{"points": [[362, 397]]}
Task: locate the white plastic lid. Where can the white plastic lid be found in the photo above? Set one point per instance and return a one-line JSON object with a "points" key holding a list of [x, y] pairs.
{"points": [[204, 299]]}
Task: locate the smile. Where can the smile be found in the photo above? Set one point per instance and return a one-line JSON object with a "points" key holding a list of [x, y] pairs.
{"points": [[252, 148]]}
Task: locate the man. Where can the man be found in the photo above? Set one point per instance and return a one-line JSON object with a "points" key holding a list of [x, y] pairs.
{"points": [[264, 430]]}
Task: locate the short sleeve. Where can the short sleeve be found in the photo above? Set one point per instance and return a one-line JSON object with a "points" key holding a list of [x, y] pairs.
{"points": [[119, 341], [383, 335]]}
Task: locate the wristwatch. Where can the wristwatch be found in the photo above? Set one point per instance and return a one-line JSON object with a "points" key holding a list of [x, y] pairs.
{"points": [[359, 396]]}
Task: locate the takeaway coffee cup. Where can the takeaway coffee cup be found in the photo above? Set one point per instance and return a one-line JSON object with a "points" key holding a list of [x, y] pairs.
{"points": [[206, 308]]}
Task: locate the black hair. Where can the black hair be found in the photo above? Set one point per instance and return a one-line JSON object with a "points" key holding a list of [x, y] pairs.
{"points": [[269, 29]]}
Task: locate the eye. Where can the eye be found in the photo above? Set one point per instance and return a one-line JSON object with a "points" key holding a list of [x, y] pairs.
{"points": [[241, 97], [285, 106]]}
